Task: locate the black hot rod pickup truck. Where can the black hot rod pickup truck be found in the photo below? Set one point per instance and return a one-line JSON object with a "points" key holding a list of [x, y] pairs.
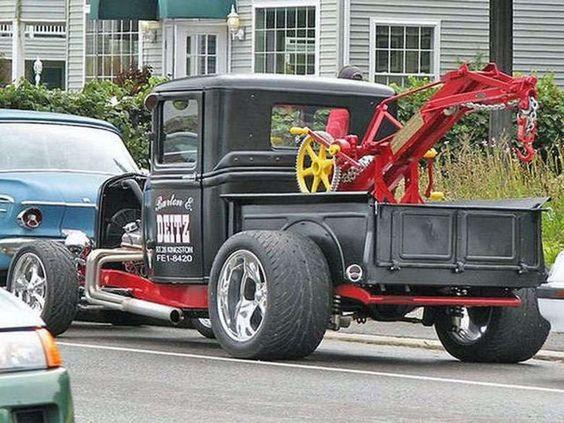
{"points": [[218, 230]]}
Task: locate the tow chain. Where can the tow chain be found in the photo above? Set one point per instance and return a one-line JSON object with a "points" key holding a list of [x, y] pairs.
{"points": [[526, 119], [351, 174], [530, 115], [490, 107]]}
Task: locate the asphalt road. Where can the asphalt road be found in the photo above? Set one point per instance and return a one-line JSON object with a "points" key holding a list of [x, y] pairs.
{"points": [[149, 374]]}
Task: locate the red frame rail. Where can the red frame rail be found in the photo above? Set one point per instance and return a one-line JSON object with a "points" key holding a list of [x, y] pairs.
{"points": [[196, 296], [179, 296], [357, 293]]}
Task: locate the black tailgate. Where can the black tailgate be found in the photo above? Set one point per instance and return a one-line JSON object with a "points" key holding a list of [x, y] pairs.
{"points": [[473, 243]]}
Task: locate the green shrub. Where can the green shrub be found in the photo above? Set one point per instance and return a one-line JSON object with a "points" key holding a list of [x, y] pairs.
{"points": [[120, 104]]}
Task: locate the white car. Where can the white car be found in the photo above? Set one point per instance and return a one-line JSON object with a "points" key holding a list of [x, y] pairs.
{"points": [[551, 296]]}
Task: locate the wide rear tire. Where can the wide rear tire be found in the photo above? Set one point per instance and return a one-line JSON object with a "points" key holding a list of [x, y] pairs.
{"points": [[43, 275], [498, 334], [269, 295]]}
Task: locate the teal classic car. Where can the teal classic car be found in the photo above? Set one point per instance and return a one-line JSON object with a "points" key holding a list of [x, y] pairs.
{"points": [[51, 168], [33, 385]]}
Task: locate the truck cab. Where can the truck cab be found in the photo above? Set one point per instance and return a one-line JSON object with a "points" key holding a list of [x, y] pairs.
{"points": [[227, 134]]}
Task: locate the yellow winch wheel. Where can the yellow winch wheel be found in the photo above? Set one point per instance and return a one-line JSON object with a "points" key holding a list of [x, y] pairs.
{"points": [[316, 169]]}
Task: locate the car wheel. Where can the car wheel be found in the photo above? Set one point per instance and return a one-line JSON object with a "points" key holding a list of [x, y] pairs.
{"points": [[43, 275], [269, 295], [204, 327], [495, 334]]}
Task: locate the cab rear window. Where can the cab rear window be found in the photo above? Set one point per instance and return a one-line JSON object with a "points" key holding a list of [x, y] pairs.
{"points": [[334, 120]]}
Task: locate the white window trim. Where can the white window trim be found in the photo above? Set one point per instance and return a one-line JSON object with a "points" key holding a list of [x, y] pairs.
{"points": [[347, 33], [269, 4], [374, 21], [86, 10]]}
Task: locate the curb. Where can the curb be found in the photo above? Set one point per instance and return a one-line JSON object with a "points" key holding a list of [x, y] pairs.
{"points": [[427, 344]]}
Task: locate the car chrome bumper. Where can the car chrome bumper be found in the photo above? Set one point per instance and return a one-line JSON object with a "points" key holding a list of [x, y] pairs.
{"points": [[551, 296], [551, 305], [10, 246]]}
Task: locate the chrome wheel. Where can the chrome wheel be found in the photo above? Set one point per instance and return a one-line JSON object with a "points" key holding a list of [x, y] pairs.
{"points": [[205, 322], [241, 295], [473, 324], [29, 281]]}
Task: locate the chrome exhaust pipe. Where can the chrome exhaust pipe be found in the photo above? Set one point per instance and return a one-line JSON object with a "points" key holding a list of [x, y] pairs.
{"points": [[95, 295], [148, 309]]}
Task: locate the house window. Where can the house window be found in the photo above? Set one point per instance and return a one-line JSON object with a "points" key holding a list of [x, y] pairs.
{"points": [[201, 54], [399, 51], [52, 75], [285, 40], [5, 71], [111, 47]]}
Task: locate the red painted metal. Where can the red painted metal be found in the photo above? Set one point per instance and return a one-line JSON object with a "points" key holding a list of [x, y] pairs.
{"points": [[357, 293], [397, 158], [174, 295]]}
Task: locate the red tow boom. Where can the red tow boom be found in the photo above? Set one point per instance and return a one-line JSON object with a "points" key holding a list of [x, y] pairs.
{"points": [[393, 158]]}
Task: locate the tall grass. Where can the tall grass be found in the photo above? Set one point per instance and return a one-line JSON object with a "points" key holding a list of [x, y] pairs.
{"points": [[491, 172]]}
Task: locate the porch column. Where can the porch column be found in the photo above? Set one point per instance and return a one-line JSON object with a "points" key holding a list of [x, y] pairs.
{"points": [[18, 50]]}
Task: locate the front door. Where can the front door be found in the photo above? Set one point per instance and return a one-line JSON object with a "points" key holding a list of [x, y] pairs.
{"points": [[172, 218], [201, 50]]}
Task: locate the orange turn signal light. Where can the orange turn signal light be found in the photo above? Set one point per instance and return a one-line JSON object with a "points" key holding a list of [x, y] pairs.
{"points": [[52, 353]]}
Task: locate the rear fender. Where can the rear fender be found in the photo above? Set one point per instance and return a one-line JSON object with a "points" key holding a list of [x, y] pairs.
{"points": [[326, 239]]}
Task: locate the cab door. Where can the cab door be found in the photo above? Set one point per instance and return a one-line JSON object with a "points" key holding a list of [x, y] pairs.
{"points": [[172, 215]]}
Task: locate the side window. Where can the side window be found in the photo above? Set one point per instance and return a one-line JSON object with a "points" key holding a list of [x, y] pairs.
{"points": [[180, 132], [334, 120]]}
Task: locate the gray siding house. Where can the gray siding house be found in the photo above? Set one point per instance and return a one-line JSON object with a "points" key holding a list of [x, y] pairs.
{"points": [[77, 40]]}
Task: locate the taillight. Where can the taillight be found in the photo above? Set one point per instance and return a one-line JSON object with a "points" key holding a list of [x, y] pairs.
{"points": [[30, 218]]}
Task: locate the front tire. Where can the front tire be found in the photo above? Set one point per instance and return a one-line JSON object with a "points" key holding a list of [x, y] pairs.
{"points": [[204, 327], [43, 275], [495, 334], [269, 295]]}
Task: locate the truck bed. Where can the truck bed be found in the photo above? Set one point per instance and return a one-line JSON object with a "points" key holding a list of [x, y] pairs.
{"points": [[463, 243]]}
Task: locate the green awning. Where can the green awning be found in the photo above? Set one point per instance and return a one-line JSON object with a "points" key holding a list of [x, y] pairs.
{"points": [[202, 9], [160, 9], [124, 9]]}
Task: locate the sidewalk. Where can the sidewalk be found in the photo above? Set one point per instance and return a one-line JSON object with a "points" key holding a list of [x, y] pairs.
{"points": [[555, 341]]}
